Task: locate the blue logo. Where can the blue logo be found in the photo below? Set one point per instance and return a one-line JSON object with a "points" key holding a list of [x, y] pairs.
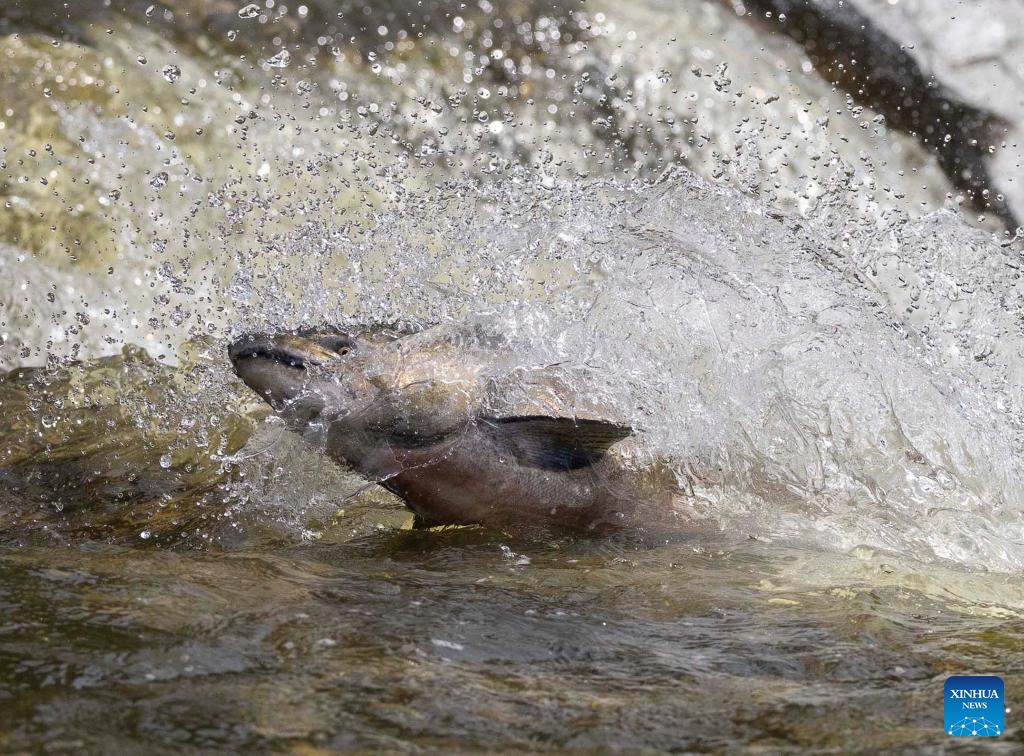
{"points": [[975, 706]]}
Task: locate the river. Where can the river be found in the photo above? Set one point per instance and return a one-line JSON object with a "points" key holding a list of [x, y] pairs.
{"points": [[817, 333]]}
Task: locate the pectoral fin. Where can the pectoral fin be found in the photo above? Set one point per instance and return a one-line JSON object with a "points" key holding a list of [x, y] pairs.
{"points": [[555, 443]]}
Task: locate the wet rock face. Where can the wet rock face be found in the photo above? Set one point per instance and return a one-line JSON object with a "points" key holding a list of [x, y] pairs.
{"points": [[319, 24], [977, 51], [856, 52]]}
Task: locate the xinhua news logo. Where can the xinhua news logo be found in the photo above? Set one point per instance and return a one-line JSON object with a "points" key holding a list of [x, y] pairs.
{"points": [[975, 706]]}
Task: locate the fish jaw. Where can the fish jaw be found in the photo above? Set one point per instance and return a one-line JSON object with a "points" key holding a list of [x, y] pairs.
{"points": [[281, 369]]}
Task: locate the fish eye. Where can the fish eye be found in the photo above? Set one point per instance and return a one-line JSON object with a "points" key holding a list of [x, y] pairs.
{"points": [[337, 343]]}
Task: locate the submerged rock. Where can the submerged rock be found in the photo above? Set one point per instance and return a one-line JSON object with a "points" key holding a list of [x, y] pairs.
{"points": [[114, 448]]}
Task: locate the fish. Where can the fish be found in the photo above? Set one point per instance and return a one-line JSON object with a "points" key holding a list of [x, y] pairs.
{"points": [[411, 411]]}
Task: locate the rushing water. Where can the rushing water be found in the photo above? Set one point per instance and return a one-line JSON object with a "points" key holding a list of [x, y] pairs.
{"points": [[669, 213]]}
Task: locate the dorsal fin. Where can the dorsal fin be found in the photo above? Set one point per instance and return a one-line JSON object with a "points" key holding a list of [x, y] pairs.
{"points": [[555, 443]]}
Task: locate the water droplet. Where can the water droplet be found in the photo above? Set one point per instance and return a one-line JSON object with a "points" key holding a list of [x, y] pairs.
{"points": [[144, 535], [141, 60], [281, 60], [249, 11], [47, 92], [165, 461], [160, 180], [171, 72]]}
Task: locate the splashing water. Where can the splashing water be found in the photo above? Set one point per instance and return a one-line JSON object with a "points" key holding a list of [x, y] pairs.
{"points": [[752, 354]]}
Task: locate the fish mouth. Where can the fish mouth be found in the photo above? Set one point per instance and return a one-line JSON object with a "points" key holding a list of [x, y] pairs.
{"points": [[297, 351], [274, 366]]}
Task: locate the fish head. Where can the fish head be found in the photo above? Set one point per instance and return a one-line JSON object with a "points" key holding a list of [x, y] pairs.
{"points": [[367, 389], [278, 367], [297, 373]]}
